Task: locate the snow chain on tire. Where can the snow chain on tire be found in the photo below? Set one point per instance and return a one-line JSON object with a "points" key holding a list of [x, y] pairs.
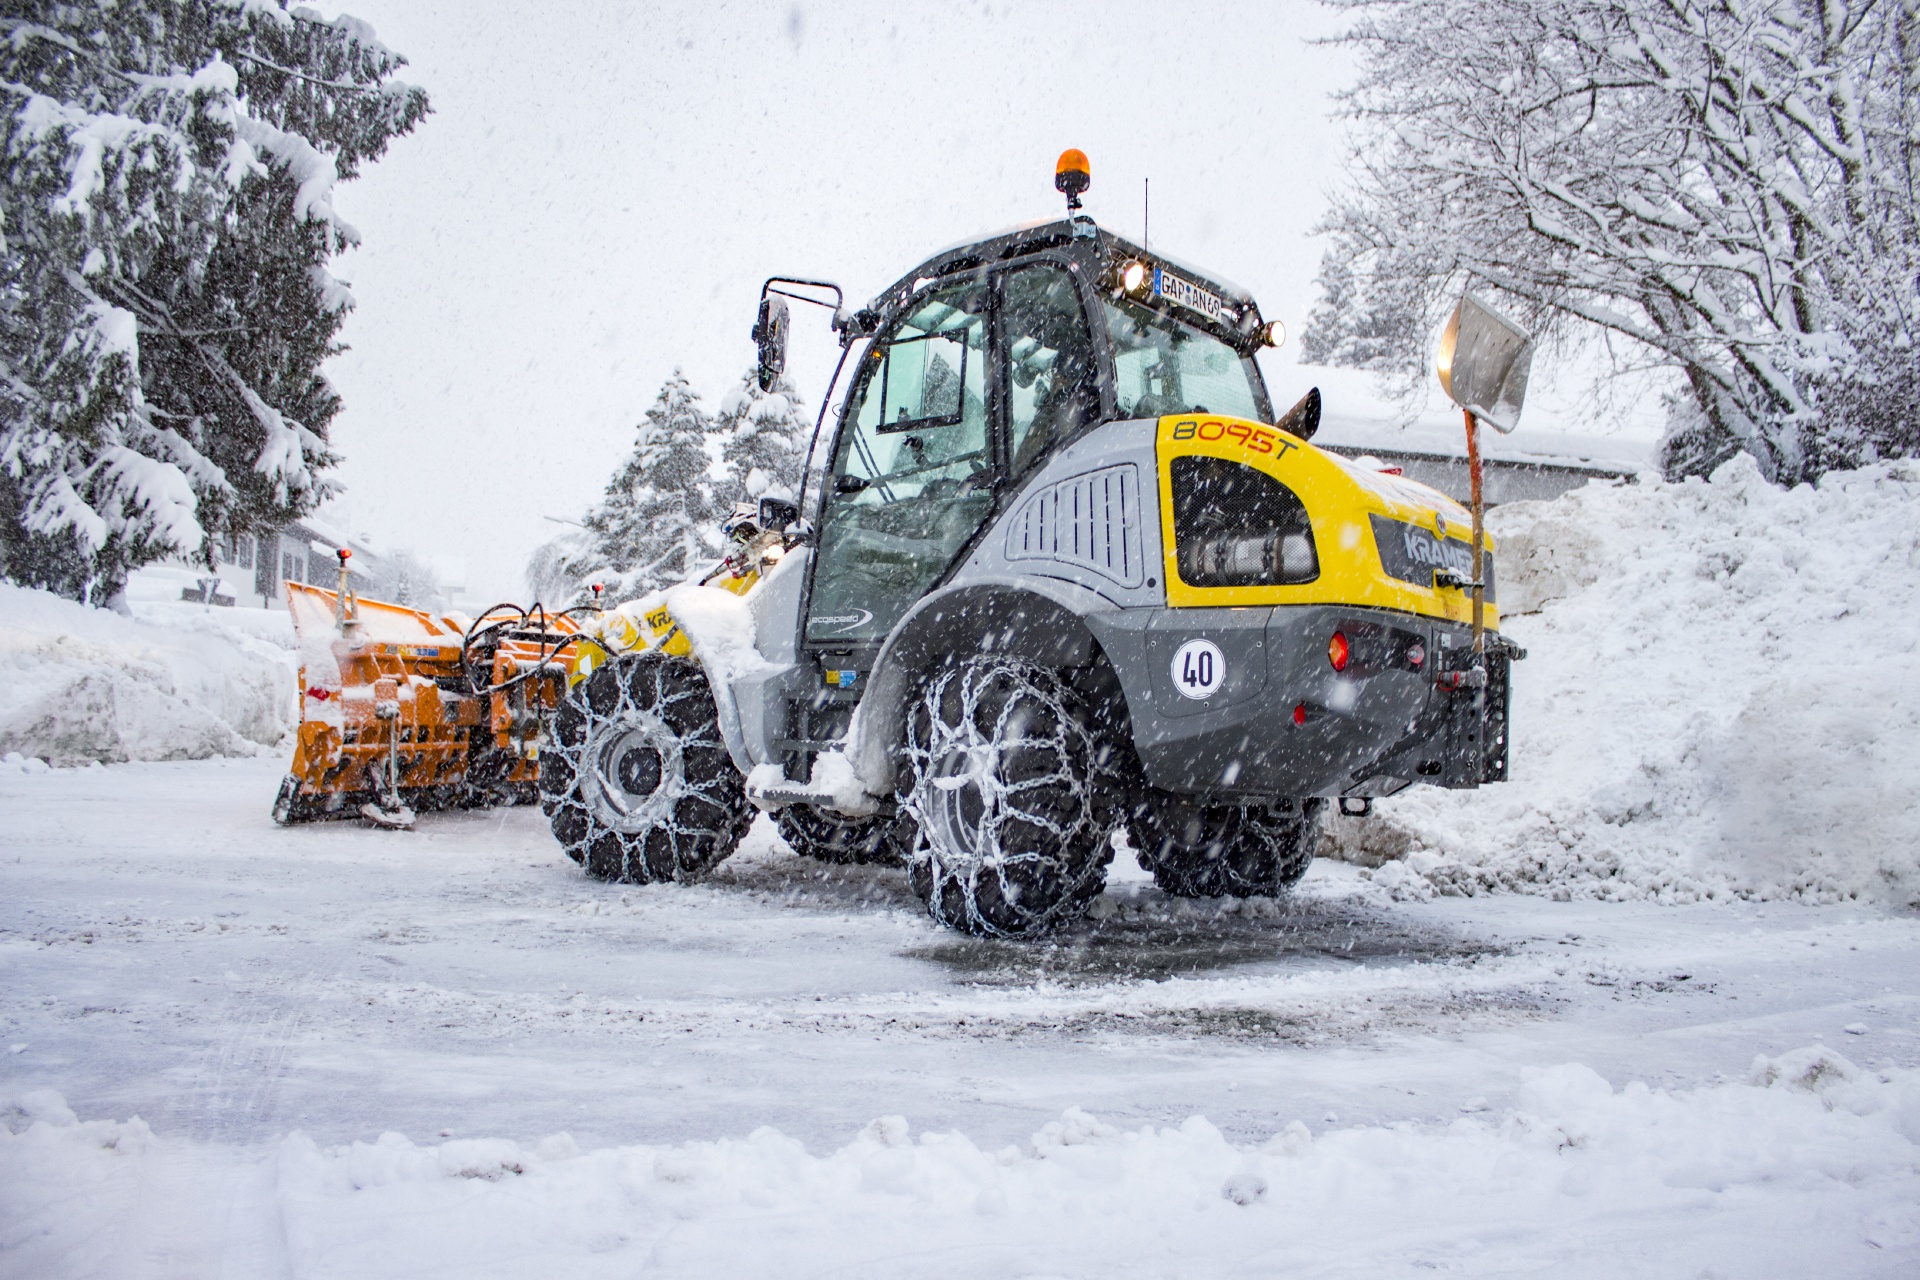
{"points": [[1212, 851], [1009, 799], [638, 784], [829, 837]]}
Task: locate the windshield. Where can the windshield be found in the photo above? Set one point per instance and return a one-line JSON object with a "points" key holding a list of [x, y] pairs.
{"points": [[1163, 366]]}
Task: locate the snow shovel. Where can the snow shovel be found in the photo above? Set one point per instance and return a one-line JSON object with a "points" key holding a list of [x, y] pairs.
{"points": [[1483, 367]]}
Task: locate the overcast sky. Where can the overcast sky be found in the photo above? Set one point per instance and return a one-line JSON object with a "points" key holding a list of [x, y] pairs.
{"points": [[602, 188]]}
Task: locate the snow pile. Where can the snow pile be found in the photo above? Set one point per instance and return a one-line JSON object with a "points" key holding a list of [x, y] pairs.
{"points": [[1769, 1176], [1721, 698], [80, 684]]}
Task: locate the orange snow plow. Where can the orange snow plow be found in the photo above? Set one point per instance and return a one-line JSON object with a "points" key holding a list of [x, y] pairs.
{"points": [[403, 709]]}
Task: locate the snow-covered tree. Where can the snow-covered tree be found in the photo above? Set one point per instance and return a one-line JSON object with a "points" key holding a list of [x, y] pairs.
{"points": [[1378, 327], [400, 577], [1730, 184], [659, 522], [166, 222], [764, 438], [550, 576]]}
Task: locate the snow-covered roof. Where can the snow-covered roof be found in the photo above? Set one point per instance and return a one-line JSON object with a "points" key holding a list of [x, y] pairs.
{"points": [[1356, 414], [334, 535]]}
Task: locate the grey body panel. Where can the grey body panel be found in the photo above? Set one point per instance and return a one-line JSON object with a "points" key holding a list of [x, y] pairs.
{"points": [[760, 697], [775, 605], [1243, 741], [1088, 515], [1081, 536]]}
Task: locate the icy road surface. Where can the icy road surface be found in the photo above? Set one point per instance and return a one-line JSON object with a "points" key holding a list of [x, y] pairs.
{"points": [[170, 954]]}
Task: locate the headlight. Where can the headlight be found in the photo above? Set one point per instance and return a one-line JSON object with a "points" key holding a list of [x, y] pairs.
{"points": [[1273, 333], [1133, 277]]}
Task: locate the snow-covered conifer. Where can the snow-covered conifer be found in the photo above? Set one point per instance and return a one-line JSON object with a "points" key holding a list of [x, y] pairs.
{"points": [[659, 522], [764, 435], [168, 221], [1730, 187], [1378, 327]]}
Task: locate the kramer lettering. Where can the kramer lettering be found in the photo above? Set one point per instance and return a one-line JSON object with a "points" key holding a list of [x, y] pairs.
{"points": [[1413, 554], [1424, 548]]}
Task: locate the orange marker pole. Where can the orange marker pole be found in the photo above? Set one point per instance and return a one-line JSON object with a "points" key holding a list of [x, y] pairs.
{"points": [[1479, 536]]}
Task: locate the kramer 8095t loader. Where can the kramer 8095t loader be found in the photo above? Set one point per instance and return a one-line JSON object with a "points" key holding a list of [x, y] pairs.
{"points": [[1067, 572]]}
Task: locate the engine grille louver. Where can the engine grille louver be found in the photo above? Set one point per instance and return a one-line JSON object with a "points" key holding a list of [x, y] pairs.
{"points": [[1091, 521]]}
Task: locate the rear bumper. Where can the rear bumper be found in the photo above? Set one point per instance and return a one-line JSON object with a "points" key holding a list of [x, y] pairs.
{"points": [[1284, 722]]}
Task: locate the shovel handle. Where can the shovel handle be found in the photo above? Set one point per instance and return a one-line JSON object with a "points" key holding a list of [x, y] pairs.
{"points": [[1479, 536]]}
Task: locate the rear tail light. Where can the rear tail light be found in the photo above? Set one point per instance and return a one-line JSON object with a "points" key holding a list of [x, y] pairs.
{"points": [[1300, 714], [1337, 651]]}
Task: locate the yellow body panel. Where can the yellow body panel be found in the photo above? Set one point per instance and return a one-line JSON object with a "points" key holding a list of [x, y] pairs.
{"points": [[1339, 498], [639, 627]]}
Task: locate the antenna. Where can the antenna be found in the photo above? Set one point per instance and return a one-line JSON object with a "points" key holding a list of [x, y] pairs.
{"points": [[1146, 209]]}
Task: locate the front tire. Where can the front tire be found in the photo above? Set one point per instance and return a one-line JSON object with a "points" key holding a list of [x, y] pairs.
{"points": [[1211, 851], [638, 784], [1010, 799]]}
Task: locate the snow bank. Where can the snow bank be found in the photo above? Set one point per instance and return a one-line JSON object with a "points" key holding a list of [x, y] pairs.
{"points": [[1721, 700], [1811, 1165], [80, 684]]}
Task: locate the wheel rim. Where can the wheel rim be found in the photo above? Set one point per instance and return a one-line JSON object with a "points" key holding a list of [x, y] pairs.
{"points": [[636, 771], [966, 799]]}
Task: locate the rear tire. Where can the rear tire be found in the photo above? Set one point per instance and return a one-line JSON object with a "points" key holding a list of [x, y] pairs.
{"points": [[1212, 851], [1009, 799], [831, 837], [638, 784]]}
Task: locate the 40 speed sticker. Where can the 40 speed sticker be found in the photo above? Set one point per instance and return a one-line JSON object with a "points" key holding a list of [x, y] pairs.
{"points": [[1199, 669]]}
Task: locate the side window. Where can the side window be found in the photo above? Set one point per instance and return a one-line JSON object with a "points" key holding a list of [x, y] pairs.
{"points": [[1050, 383], [912, 479], [919, 416]]}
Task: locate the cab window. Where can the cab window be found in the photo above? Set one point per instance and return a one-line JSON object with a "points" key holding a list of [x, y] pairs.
{"points": [[913, 475], [1162, 365], [1051, 391]]}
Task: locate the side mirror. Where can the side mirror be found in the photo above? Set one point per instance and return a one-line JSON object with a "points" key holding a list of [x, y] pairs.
{"points": [[1304, 418], [1484, 361], [770, 335], [778, 514]]}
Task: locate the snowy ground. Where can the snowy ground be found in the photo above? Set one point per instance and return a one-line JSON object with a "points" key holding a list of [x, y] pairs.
{"points": [[1651, 1008], [351, 1053]]}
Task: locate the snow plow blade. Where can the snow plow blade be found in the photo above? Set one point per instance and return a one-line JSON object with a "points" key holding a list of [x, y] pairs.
{"points": [[403, 710]]}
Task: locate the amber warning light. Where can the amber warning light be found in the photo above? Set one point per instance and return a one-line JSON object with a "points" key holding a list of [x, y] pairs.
{"points": [[1072, 175]]}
